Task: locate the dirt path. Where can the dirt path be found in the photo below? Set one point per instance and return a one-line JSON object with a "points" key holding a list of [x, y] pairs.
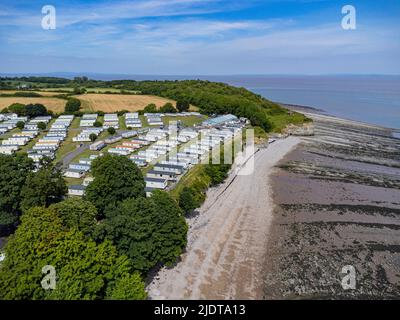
{"points": [[227, 240]]}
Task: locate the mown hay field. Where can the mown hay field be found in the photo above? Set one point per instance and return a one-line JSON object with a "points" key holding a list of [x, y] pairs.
{"points": [[118, 102], [54, 104]]}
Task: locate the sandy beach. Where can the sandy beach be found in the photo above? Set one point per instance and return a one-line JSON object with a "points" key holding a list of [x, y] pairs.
{"points": [[227, 239]]}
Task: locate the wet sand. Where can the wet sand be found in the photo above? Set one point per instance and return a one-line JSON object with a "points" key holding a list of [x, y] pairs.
{"points": [[337, 199]]}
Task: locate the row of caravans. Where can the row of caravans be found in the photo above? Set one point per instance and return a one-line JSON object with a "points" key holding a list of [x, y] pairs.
{"points": [[17, 140], [49, 144], [176, 163]]}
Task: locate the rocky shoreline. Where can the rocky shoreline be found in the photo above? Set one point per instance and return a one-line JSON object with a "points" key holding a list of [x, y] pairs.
{"points": [[337, 203]]}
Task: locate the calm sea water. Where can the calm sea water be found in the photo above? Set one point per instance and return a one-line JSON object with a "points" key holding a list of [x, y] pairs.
{"points": [[371, 99]]}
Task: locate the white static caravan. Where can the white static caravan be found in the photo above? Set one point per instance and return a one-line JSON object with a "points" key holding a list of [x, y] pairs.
{"points": [[156, 183], [178, 169], [8, 149], [168, 175], [113, 139], [73, 173], [120, 151], [85, 161], [19, 141], [79, 166], [129, 134], [132, 115], [97, 146], [76, 190], [135, 124], [139, 162]]}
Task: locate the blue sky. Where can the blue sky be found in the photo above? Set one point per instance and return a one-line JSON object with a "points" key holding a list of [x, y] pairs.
{"points": [[200, 37]]}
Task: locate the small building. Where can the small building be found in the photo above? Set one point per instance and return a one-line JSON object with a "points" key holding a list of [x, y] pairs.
{"points": [[76, 190], [178, 169], [74, 173], [113, 139], [169, 175], [97, 146], [80, 166], [156, 183]]}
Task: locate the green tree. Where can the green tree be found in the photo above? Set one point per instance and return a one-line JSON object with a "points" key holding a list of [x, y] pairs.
{"points": [[111, 130], [72, 105], [20, 125], [116, 179], [43, 188], [168, 108], [182, 105], [85, 270], [14, 170], [41, 126], [77, 213], [17, 108], [187, 200], [93, 137], [35, 110], [97, 124], [130, 287], [217, 172], [148, 230], [150, 108], [78, 90]]}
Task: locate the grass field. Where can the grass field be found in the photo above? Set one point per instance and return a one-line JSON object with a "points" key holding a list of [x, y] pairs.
{"points": [[118, 102]]}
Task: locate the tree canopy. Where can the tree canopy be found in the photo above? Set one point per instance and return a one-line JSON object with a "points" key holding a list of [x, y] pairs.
{"points": [[115, 179], [148, 230], [14, 170], [84, 270], [151, 108], [43, 188], [168, 108], [72, 105], [77, 213]]}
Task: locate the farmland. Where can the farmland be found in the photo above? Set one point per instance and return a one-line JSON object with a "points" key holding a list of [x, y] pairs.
{"points": [[53, 104], [117, 102]]}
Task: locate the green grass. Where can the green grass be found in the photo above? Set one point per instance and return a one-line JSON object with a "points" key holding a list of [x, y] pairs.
{"points": [[194, 177], [73, 181], [122, 125], [279, 122], [68, 145]]}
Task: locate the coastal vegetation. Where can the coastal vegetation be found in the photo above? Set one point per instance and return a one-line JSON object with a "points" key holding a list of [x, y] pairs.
{"points": [[101, 246], [209, 97]]}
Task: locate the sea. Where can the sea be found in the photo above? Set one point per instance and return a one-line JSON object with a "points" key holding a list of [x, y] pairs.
{"points": [[373, 99]]}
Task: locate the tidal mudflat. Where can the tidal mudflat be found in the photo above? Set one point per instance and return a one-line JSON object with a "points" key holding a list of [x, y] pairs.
{"points": [[337, 204]]}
